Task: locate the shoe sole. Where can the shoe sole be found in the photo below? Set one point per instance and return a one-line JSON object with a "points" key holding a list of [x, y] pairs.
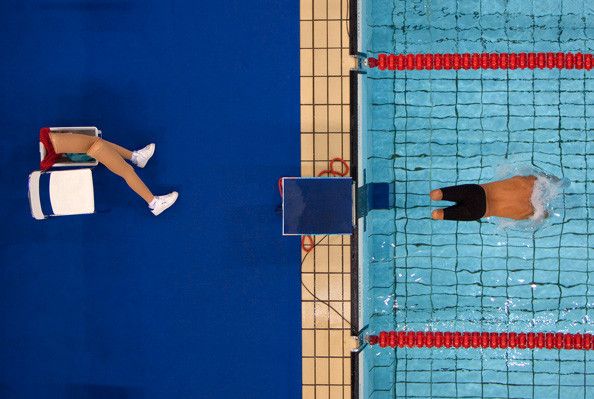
{"points": [[168, 206]]}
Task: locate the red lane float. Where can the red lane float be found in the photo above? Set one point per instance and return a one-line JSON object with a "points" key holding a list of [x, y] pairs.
{"points": [[475, 61], [503, 340]]}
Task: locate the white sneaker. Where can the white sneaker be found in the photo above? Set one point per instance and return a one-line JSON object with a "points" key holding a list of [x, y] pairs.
{"points": [[162, 202], [142, 156]]}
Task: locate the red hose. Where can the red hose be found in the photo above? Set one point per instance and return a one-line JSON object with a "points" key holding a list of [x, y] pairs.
{"points": [[430, 339], [280, 186], [334, 172], [410, 62]]}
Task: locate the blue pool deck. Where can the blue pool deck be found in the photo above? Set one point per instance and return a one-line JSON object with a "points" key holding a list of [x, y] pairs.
{"points": [[203, 301]]}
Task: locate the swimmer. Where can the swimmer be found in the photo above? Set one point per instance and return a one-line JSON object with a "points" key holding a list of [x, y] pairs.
{"points": [[112, 156], [510, 198]]}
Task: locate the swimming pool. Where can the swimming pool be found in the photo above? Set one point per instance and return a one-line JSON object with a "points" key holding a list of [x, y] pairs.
{"points": [[424, 129]]}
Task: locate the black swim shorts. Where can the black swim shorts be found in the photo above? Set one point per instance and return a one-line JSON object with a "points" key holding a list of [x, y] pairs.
{"points": [[470, 199]]}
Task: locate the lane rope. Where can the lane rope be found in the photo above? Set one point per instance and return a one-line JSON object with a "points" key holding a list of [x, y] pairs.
{"points": [[409, 62], [494, 340]]}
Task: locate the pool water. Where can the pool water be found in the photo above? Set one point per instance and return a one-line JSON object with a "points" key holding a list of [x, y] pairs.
{"points": [[428, 129]]}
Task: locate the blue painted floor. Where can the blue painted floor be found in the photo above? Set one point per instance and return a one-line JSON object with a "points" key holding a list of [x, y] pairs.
{"points": [[202, 301]]}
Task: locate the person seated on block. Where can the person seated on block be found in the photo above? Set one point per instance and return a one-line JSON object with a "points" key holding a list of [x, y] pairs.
{"points": [[111, 155]]}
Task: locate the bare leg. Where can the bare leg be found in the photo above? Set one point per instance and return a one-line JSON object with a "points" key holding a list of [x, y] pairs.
{"points": [[105, 153], [436, 195], [437, 214], [108, 156], [80, 143], [71, 142], [124, 153]]}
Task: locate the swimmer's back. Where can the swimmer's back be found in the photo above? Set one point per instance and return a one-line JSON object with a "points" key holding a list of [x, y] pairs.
{"points": [[510, 198]]}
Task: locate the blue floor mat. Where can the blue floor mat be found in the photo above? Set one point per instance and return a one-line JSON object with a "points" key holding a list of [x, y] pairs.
{"points": [[202, 301]]}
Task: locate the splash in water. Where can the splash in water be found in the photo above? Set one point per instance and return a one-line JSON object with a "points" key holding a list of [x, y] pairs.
{"points": [[546, 198]]}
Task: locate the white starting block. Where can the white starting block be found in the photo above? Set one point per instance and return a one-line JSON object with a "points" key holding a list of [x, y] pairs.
{"points": [[63, 192]]}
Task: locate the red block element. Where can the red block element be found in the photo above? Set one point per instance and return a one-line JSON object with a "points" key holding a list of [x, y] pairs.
{"points": [[485, 339], [530, 340], [522, 340], [457, 340], [447, 339], [560, 60], [410, 61], [549, 340], [457, 61], [383, 337], [569, 61], [550, 60], [410, 339], [503, 60], [381, 62], [438, 339], [400, 62], [522, 60], [466, 336], [588, 62], [587, 341], [579, 61], [476, 339], [466, 61], [513, 61], [494, 61], [420, 339], [513, 340], [577, 341], [559, 340], [484, 60], [401, 339], [428, 61], [419, 61], [447, 61], [429, 339], [493, 340], [531, 60], [568, 344], [475, 61], [437, 61], [503, 340], [392, 339], [540, 340], [541, 60], [392, 62]]}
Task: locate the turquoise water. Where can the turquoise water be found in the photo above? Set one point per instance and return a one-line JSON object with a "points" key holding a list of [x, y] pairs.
{"points": [[428, 129]]}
